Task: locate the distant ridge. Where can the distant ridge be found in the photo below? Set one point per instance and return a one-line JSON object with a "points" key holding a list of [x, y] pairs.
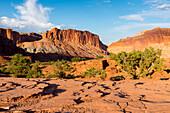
{"points": [[54, 44], [158, 38]]}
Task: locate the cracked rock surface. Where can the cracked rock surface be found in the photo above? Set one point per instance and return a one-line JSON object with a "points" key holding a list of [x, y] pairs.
{"points": [[80, 96]]}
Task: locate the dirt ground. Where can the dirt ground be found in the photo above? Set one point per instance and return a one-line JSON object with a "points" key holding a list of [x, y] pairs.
{"points": [[84, 96]]}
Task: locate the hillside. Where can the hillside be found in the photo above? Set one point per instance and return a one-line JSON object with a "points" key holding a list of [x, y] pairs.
{"points": [[158, 38], [54, 44], [68, 43]]}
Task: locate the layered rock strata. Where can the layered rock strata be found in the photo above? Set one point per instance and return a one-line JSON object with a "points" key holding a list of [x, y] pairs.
{"points": [[158, 38]]}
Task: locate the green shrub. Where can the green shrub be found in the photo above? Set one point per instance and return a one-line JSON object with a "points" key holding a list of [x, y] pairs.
{"points": [[78, 59], [61, 74], [70, 76], [62, 65], [47, 63], [139, 63], [3, 69], [99, 57], [35, 72], [92, 72], [19, 65], [117, 78]]}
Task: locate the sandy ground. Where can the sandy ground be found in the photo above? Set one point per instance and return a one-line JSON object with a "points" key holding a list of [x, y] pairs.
{"points": [[84, 96]]}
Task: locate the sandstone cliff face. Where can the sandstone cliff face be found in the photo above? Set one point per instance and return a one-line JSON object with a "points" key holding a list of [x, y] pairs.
{"points": [[17, 37], [7, 47], [55, 44], [67, 43], [158, 38], [75, 36], [8, 41]]}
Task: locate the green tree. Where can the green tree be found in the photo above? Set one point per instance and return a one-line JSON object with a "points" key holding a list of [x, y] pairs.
{"points": [[78, 59], [99, 57], [60, 68], [139, 63], [35, 72], [92, 72], [19, 65]]}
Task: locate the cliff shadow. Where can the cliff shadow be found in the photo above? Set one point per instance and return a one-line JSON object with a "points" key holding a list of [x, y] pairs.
{"points": [[45, 57]]}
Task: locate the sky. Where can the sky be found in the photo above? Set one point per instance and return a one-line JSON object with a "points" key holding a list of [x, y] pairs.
{"points": [[112, 20]]}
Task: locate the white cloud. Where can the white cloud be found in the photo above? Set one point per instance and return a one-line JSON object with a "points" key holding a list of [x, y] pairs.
{"points": [[130, 29], [151, 1], [164, 6], [72, 25], [30, 16], [107, 1], [136, 17], [60, 26], [131, 3], [159, 9]]}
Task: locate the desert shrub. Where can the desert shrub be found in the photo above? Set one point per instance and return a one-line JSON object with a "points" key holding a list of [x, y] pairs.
{"points": [[35, 72], [99, 57], [19, 66], [70, 76], [92, 72], [117, 78], [62, 65], [61, 75], [3, 69], [47, 63], [78, 59], [139, 63]]}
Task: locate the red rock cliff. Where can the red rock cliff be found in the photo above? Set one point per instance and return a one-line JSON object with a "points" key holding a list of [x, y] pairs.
{"points": [[75, 36], [17, 37], [157, 38]]}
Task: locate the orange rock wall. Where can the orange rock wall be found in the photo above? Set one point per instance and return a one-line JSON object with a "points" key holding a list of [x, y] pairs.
{"points": [[158, 38], [75, 36]]}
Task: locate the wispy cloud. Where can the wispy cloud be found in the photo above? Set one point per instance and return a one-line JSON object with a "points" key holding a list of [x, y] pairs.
{"points": [[30, 16], [160, 10], [131, 3], [134, 25], [151, 1], [72, 25], [60, 26], [135, 17], [156, 15], [107, 1], [164, 7]]}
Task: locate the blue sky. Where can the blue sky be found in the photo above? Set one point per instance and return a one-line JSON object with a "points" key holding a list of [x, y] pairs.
{"points": [[110, 19]]}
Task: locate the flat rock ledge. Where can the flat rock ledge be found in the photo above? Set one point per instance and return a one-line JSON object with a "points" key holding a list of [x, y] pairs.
{"points": [[20, 95]]}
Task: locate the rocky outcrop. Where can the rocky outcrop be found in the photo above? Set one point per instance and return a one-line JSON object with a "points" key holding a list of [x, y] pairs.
{"points": [[158, 38], [7, 47], [81, 96], [75, 36], [68, 43], [8, 40], [55, 44], [17, 37], [30, 37]]}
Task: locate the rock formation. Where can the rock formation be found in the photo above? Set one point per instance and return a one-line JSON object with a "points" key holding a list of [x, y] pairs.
{"points": [[67, 43], [17, 37], [81, 96], [53, 45], [75, 36], [8, 40], [158, 38]]}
